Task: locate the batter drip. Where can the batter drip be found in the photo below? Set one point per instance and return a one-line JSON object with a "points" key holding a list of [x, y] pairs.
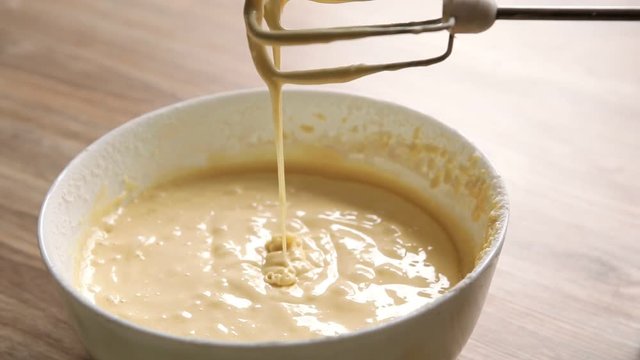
{"points": [[271, 10]]}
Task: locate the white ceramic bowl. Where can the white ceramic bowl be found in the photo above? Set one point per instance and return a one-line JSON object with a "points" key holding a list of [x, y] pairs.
{"points": [[430, 157]]}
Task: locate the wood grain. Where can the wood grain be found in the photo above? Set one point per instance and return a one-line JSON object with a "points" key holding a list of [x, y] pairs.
{"points": [[555, 106]]}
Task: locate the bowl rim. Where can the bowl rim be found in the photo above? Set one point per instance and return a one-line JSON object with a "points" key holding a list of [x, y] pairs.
{"points": [[480, 267]]}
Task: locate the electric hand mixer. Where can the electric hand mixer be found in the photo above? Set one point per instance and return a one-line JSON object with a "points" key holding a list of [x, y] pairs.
{"points": [[459, 17]]}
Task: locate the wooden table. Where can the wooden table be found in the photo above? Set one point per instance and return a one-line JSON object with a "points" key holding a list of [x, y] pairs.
{"points": [[555, 106]]}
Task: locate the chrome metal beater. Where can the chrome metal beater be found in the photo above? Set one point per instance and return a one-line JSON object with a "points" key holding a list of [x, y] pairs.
{"points": [[459, 17]]}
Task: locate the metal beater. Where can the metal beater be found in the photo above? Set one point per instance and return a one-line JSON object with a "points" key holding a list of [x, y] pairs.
{"points": [[459, 17]]}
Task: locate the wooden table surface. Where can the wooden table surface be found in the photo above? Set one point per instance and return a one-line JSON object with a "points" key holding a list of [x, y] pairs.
{"points": [[556, 106]]}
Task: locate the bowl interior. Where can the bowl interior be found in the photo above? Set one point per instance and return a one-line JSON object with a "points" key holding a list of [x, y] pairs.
{"points": [[434, 161]]}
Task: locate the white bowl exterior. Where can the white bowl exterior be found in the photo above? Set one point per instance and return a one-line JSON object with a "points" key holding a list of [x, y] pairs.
{"points": [[183, 137]]}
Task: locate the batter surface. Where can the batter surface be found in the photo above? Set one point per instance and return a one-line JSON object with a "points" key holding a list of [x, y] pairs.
{"points": [[191, 258]]}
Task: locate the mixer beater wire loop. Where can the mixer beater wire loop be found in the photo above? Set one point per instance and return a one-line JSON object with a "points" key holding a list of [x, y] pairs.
{"points": [[458, 17]]}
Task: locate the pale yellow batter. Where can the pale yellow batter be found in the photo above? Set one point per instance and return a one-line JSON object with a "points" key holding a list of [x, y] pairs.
{"points": [[190, 258]]}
